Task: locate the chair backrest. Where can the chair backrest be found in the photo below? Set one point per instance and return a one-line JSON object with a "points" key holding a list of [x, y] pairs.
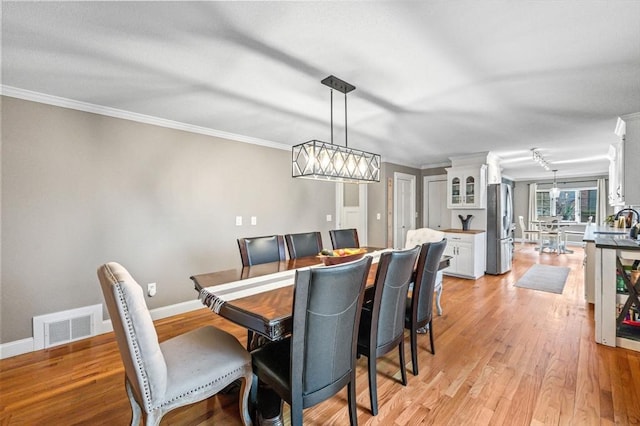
{"points": [[135, 333], [257, 250], [521, 220], [417, 237], [305, 244], [549, 223], [344, 238], [326, 315], [395, 270], [424, 285]]}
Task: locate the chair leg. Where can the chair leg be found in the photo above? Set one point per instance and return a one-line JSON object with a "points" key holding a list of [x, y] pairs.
{"points": [[245, 390], [136, 411], [403, 367], [433, 348], [250, 340], [373, 390], [351, 397], [414, 349], [296, 411]]}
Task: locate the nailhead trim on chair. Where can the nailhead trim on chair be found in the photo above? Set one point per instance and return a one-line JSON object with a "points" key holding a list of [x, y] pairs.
{"points": [[208, 385], [134, 342]]}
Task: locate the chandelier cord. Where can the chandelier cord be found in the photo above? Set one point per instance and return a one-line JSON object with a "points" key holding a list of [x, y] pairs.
{"points": [[346, 144], [331, 116]]}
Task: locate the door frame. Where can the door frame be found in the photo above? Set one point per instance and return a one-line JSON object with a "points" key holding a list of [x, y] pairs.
{"points": [[425, 195], [412, 178]]}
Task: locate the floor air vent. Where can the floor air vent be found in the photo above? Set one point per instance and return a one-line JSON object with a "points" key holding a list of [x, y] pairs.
{"points": [[66, 326]]}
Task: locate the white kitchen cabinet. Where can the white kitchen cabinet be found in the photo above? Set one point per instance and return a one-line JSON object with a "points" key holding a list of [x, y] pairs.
{"points": [[467, 251], [467, 187], [624, 173]]}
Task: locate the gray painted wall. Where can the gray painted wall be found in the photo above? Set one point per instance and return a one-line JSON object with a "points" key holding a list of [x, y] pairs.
{"points": [[80, 189]]}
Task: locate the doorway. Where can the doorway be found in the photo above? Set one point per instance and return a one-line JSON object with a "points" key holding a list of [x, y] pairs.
{"points": [[351, 208], [436, 215], [404, 217]]}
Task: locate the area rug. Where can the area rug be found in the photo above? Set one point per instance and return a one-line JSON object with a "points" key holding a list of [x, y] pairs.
{"points": [[544, 278]]}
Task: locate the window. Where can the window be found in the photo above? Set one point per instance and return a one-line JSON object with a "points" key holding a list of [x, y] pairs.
{"points": [[573, 205]]}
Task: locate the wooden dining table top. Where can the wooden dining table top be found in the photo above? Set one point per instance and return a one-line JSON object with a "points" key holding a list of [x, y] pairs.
{"points": [[260, 297]]}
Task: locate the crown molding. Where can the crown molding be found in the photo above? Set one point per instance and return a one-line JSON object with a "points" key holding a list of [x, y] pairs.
{"points": [[43, 98]]}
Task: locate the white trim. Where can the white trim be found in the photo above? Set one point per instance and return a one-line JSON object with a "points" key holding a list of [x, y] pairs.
{"points": [[42, 98], [23, 346], [17, 347]]}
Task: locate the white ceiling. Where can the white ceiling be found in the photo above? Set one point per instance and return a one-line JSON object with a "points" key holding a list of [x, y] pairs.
{"points": [[434, 79]]}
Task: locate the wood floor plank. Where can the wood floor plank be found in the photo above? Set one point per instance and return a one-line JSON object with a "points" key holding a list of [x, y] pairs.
{"points": [[504, 356]]}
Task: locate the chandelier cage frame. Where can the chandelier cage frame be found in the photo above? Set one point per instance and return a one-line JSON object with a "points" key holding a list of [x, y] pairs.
{"points": [[321, 160]]}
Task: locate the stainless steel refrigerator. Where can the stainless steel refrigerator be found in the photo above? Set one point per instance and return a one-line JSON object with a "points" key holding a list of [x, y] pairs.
{"points": [[499, 221]]}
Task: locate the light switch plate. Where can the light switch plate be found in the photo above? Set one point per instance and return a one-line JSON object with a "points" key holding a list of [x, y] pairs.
{"points": [[254, 220], [328, 218]]}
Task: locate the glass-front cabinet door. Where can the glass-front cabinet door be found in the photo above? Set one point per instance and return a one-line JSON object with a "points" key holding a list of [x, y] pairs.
{"points": [[456, 193], [467, 187], [470, 190]]}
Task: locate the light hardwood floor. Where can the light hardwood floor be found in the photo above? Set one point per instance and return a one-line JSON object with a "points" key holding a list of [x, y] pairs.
{"points": [[504, 355]]}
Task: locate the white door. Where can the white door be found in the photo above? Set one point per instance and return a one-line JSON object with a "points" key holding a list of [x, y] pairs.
{"points": [[404, 216], [435, 212], [438, 215], [351, 209]]}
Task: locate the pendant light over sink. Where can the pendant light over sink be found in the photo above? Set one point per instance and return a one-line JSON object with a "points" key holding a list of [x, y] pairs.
{"points": [[555, 191], [327, 161]]}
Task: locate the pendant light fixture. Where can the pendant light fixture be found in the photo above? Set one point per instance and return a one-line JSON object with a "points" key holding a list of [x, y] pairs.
{"points": [[555, 191], [326, 161]]}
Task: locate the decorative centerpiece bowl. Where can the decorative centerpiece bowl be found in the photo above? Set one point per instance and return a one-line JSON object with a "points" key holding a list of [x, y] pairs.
{"points": [[342, 256]]}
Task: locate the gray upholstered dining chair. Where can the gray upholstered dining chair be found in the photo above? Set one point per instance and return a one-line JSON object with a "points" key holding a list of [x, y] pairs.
{"points": [[257, 250], [344, 238], [382, 321], [419, 307], [304, 244], [319, 358], [183, 370]]}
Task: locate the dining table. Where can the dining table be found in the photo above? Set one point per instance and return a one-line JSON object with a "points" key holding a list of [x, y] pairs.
{"points": [[260, 297], [553, 228]]}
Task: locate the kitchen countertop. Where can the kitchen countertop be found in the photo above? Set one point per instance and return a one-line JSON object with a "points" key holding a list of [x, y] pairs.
{"points": [[593, 232], [460, 231], [611, 242]]}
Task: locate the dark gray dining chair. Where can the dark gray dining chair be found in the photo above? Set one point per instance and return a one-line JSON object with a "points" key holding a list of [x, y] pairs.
{"points": [[419, 307], [257, 250], [304, 244], [319, 359], [185, 369], [382, 321], [344, 238]]}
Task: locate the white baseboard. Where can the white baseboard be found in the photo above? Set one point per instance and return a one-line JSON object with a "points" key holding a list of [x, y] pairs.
{"points": [[24, 346], [17, 347]]}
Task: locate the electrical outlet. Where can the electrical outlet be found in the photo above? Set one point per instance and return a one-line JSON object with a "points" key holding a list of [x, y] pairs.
{"points": [[254, 220], [151, 289], [238, 220], [328, 218]]}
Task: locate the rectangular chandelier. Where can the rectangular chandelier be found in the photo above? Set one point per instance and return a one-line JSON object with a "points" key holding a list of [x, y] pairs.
{"points": [[326, 161]]}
